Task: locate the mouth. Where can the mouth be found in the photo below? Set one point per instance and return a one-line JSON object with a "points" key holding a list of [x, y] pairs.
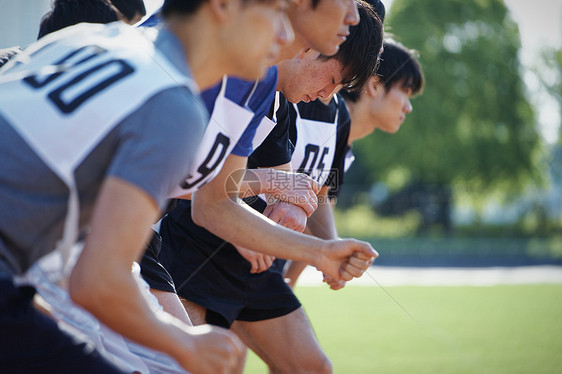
{"points": [[343, 34], [307, 99]]}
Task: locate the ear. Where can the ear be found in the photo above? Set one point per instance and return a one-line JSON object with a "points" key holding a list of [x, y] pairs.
{"points": [[221, 8], [302, 53], [374, 86]]}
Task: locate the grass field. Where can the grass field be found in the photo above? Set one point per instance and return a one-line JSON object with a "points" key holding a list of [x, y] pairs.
{"points": [[501, 329]]}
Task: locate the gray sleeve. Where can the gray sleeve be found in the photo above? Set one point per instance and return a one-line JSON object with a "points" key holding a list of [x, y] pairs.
{"points": [[159, 141]]}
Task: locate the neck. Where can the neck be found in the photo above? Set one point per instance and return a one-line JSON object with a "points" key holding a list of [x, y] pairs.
{"points": [[201, 52], [290, 51], [359, 120]]}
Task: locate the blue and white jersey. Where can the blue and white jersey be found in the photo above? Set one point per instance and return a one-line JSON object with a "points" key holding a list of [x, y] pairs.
{"points": [[238, 108], [255, 96]]}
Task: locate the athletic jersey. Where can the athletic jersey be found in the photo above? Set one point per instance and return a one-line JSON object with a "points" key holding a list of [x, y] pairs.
{"points": [[238, 112], [276, 149], [319, 133], [347, 162], [84, 103]]}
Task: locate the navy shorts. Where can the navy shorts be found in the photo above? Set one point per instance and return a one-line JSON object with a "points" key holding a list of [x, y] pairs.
{"points": [[152, 270], [210, 272], [31, 342]]}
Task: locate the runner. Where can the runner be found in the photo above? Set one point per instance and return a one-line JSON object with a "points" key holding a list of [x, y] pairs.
{"points": [[111, 174], [216, 280]]}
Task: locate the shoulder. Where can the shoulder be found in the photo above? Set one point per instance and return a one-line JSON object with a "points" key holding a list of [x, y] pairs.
{"points": [[8, 53], [175, 110]]}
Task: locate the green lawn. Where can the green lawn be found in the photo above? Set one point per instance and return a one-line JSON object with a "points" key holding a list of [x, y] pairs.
{"points": [[502, 329]]}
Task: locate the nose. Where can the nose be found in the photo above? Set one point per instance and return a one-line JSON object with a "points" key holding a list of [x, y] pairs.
{"points": [[286, 35], [329, 90], [408, 106], [352, 16]]}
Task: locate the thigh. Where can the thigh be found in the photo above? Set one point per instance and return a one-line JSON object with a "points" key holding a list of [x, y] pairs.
{"points": [[195, 312], [287, 344], [31, 342], [171, 303]]}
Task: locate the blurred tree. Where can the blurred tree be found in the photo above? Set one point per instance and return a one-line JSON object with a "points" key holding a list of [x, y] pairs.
{"points": [[473, 124], [549, 73]]}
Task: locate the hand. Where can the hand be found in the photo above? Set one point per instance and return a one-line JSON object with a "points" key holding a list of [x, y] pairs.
{"points": [[334, 284], [345, 259], [260, 262], [288, 215], [297, 189], [212, 350]]}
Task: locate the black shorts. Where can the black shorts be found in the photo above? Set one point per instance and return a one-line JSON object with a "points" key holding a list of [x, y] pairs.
{"points": [[210, 272], [152, 270], [31, 342]]}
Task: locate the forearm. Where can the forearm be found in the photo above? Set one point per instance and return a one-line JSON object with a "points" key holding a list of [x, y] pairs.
{"points": [[260, 180], [102, 281], [216, 207], [244, 227], [131, 317], [322, 223]]}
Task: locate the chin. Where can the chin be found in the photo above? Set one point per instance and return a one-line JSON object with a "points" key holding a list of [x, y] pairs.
{"points": [[329, 49], [251, 75], [292, 99]]}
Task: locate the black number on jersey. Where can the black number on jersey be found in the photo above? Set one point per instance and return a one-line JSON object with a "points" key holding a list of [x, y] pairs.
{"points": [[69, 96], [309, 164], [220, 145]]}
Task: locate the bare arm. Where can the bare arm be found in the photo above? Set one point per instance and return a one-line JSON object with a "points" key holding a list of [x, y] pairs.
{"points": [[102, 283], [219, 212], [279, 183], [322, 225]]}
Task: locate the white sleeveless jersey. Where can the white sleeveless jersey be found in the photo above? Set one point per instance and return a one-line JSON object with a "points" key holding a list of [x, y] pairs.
{"points": [[82, 82], [319, 134], [92, 61]]}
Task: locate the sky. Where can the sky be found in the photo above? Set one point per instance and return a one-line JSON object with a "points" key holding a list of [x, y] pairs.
{"points": [[540, 25]]}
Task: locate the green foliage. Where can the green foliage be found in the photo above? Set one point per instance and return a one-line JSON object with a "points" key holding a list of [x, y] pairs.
{"points": [[473, 124], [362, 222]]}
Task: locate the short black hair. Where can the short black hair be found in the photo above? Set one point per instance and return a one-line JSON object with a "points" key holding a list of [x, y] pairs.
{"points": [[360, 52], [66, 13], [378, 7], [130, 8], [186, 7], [180, 6], [398, 65]]}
